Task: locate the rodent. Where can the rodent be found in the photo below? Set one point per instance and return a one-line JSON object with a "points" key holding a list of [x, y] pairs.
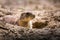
{"points": [[24, 19]]}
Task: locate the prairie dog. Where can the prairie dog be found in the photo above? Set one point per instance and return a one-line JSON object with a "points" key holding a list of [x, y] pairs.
{"points": [[25, 18]]}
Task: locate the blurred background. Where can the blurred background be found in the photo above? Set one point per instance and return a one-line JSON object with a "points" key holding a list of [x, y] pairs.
{"points": [[29, 4]]}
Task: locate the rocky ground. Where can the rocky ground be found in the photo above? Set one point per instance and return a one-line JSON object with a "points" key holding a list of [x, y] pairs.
{"points": [[9, 15]]}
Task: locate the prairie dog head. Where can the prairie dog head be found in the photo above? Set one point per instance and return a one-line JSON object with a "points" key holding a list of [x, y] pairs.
{"points": [[27, 16]]}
